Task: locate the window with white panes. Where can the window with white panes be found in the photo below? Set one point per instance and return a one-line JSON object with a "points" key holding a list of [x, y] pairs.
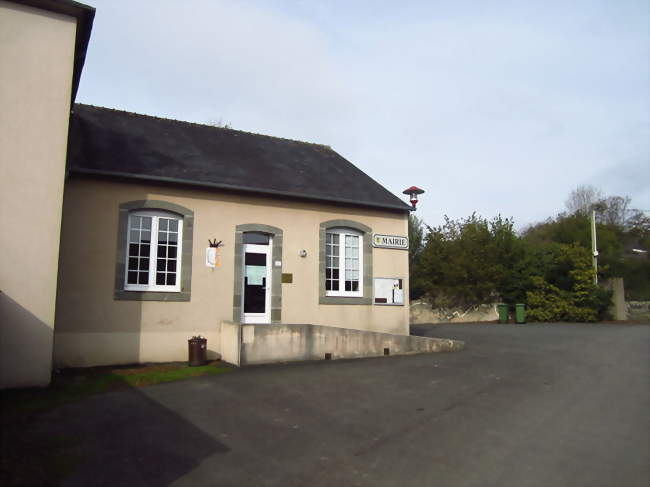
{"points": [[153, 260], [343, 263]]}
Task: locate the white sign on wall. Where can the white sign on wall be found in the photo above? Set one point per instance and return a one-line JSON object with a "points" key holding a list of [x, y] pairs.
{"points": [[390, 241]]}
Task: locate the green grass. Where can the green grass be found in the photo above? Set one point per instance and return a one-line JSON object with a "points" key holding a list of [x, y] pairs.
{"points": [[75, 384]]}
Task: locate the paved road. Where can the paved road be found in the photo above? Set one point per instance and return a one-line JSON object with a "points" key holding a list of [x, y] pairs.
{"points": [[523, 405]]}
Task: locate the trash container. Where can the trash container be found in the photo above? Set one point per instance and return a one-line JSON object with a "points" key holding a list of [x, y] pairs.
{"points": [[198, 351], [520, 313], [503, 313]]}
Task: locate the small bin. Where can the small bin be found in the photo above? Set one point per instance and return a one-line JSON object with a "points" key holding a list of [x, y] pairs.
{"points": [[520, 313], [503, 313], [198, 351]]}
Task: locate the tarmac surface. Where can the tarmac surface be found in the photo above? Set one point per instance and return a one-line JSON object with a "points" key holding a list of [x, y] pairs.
{"points": [[522, 405]]}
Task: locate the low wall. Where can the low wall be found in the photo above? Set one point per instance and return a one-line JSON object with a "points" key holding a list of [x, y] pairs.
{"points": [[421, 312], [638, 310], [288, 343]]}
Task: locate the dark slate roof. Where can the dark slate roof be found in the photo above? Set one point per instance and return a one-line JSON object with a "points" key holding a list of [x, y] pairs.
{"points": [[116, 143]]}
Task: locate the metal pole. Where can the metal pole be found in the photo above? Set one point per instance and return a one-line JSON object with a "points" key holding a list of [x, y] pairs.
{"points": [[594, 250]]}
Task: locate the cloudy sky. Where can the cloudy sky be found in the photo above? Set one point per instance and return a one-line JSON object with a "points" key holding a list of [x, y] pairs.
{"points": [[490, 106]]}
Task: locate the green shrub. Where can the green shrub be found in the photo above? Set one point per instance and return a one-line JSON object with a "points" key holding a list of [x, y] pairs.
{"points": [[571, 294]]}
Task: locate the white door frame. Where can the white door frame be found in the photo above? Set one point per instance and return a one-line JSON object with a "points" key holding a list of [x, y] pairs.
{"points": [[258, 317]]}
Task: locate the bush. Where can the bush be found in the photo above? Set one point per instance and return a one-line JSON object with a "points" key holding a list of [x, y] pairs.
{"points": [[567, 291]]}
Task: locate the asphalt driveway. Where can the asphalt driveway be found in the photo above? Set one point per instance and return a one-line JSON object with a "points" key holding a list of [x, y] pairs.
{"points": [[523, 405]]}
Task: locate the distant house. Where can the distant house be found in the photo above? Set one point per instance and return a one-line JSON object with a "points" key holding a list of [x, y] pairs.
{"points": [[168, 229]]}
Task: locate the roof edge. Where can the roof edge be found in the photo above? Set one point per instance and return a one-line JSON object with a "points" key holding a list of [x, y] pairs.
{"points": [[231, 187]]}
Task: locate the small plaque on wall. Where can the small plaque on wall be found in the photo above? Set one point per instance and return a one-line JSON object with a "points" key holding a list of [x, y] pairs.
{"points": [[287, 278], [389, 291]]}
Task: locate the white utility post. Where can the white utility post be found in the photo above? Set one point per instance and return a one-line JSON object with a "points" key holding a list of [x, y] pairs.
{"points": [[594, 249]]}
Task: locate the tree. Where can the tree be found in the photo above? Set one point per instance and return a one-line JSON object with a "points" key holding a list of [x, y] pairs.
{"points": [[582, 199], [471, 261], [614, 210], [416, 239], [416, 229]]}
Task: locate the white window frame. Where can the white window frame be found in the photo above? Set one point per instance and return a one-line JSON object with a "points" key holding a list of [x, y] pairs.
{"points": [[153, 253], [343, 232]]}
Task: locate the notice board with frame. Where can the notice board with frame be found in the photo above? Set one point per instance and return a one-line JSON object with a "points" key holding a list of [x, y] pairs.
{"points": [[388, 291]]}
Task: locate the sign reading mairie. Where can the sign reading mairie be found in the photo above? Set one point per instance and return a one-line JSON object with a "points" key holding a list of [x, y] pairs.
{"points": [[390, 241]]}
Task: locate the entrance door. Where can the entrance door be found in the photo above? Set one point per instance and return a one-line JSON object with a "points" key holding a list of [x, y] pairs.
{"points": [[257, 283]]}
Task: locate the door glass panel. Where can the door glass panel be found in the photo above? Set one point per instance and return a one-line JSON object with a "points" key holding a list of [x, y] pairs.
{"points": [[254, 283]]}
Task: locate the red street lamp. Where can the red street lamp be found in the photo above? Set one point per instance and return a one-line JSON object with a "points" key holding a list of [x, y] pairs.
{"points": [[413, 193]]}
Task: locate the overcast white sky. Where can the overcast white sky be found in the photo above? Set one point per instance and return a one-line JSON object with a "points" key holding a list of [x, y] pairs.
{"points": [[495, 107]]}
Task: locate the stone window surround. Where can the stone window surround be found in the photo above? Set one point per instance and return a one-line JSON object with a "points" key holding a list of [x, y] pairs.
{"points": [[367, 263], [186, 254], [276, 272]]}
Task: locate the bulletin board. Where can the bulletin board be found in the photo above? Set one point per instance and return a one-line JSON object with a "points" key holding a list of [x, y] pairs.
{"points": [[389, 291]]}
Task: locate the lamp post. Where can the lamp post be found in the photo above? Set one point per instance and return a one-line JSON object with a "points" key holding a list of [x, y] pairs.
{"points": [[594, 249], [413, 193]]}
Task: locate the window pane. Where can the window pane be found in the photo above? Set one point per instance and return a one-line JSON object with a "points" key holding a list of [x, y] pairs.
{"points": [[256, 238], [133, 277], [162, 238], [162, 251], [162, 224], [171, 279], [335, 274], [133, 249], [335, 250], [144, 250], [133, 264], [144, 264], [355, 285], [146, 222], [171, 265], [328, 285], [335, 285], [173, 225], [173, 238], [134, 235], [328, 238], [135, 221], [328, 273], [161, 265], [171, 252], [145, 236], [143, 278], [160, 278], [348, 286]]}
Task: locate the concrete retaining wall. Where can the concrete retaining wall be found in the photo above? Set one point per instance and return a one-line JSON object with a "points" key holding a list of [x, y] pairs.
{"points": [[288, 343], [421, 312], [618, 308], [638, 310]]}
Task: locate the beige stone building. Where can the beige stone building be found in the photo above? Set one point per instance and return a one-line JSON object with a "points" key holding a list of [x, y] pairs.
{"points": [[294, 223], [42, 51], [126, 234]]}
